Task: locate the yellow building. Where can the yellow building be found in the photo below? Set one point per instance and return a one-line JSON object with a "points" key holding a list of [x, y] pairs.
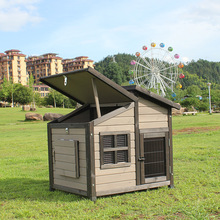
{"points": [[43, 90], [13, 66], [44, 65], [77, 63]]}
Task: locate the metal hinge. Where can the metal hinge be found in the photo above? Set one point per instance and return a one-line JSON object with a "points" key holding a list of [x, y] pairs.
{"points": [[67, 130], [169, 142], [141, 159], [171, 171]]}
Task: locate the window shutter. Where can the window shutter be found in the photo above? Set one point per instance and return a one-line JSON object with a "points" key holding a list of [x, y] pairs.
{"points": [[122, 140], [109, 157], [122, 156], [108, 141], [114, 149]]}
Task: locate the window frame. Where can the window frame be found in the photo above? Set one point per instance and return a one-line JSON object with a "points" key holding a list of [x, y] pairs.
{"points": [[115, 149]]}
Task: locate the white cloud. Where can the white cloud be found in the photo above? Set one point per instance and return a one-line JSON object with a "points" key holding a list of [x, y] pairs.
{"points": [[192, 28], [14, 14]]}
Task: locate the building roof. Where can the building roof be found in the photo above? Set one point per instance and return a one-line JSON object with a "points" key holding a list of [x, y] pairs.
{"points": [[54, 54], [76, 59], [12, 50], [14, 53], [39, 86], [80, 57]]}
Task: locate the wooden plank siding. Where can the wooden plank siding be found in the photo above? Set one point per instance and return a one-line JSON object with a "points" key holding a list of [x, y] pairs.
{"points": [[115, 178], [151, 115], [64, 168]]}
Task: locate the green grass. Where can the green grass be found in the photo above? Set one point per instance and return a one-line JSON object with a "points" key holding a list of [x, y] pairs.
{"points": [[24, 183]]}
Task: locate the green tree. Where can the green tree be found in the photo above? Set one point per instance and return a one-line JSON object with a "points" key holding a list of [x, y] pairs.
{"points": [[22, 94], [57, 99], [37, 99], [4, 94], [190, 102], [203, 105], [11, 91], [193, 91], [117, 71], [215, 98]]}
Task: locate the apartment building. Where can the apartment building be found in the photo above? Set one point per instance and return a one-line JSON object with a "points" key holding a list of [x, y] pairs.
{"points": [[77, 63], [44, 65], [13, 66], [43, 90]]}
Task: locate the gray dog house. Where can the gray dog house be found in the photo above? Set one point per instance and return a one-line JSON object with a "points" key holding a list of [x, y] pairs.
{"points": [[119, 141]]}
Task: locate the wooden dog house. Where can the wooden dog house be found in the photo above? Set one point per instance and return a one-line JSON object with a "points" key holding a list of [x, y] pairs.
{"points": [[119, 140]]}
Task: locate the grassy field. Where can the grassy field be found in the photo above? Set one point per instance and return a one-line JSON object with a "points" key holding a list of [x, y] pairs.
{"points": [[24, 183]]}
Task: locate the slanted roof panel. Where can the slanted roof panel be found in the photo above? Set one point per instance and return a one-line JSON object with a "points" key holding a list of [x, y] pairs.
{"points": [[79, 87], [152, 96]]}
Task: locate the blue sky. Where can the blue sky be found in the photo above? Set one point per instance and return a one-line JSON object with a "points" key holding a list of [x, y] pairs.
{"points": [[98, 28]]}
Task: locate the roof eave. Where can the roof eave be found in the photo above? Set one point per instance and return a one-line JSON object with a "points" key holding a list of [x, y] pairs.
{"points": [[153, 95]]}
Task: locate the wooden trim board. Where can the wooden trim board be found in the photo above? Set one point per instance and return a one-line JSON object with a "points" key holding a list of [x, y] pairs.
{"points": [[134, 188], [113, 114], [90, 159]]}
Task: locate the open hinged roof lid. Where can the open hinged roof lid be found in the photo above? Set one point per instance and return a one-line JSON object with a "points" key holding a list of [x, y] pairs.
{"points": [[78, 85]]}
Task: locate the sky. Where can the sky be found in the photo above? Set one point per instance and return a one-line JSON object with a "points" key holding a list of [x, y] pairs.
{"points": [[98, 28]]}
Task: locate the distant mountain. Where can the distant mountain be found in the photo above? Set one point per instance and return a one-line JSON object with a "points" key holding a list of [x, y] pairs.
{"points": [[209, 71]]}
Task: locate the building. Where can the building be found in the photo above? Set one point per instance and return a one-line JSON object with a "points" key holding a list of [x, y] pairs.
{"points": [[13, 66], [43, 90], [44, 65], [77, 63]]}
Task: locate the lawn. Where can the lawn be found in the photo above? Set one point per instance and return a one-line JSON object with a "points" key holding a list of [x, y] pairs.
{"points": [[24, 182]]}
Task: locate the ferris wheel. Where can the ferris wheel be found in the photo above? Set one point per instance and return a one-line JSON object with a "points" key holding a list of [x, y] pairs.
{"points": [[156, 68]]}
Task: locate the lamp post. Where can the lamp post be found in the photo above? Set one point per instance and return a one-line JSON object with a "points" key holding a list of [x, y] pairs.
{"points": [[210, 110]]}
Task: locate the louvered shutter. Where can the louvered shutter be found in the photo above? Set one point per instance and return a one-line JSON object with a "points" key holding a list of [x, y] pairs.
{"points": [[114, 149]]}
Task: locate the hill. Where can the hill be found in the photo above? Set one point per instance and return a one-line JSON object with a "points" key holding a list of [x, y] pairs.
{"points": [[194, 84], [202, 71]]}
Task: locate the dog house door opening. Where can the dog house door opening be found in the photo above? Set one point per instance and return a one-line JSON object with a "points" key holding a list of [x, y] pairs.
{"points": [[155, 157]]}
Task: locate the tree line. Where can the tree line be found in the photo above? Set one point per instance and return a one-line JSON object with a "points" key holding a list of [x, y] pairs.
{"points": [[17, 93], [194, 91]]}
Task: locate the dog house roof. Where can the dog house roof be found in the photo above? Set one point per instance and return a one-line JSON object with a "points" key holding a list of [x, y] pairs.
{"points": [[139, 91], [78, 85]]}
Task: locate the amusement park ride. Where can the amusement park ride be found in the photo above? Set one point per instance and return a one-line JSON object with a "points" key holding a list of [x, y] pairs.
{"points": [[157, 68]]}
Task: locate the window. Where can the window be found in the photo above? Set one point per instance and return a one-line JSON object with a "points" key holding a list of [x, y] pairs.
{"points": [[115, 149]]}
